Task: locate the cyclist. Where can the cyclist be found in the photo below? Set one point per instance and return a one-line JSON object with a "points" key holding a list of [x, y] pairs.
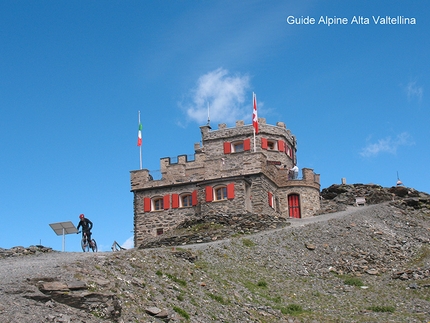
{"points": [[86, 225]]}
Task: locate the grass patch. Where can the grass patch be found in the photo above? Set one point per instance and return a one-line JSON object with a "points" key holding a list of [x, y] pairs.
{"points": [[250, 286], [248, 243], [205, 227], [218, 298], [353, 281], [292, 309], [177, 280], [382, 309], [181, 312], [422, 255], [261, 290], [172, 277], [201, 265], [262, 283]]}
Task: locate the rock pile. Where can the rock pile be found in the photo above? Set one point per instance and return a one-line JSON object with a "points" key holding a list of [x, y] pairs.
{"points": [[21, 251], [214, 227], [337, 197]]}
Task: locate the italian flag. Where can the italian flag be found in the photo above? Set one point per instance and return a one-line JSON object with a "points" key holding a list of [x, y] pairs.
{"points": [[139, 135]]}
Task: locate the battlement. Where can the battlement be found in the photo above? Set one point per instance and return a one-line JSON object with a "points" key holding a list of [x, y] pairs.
{"points": [[242, 130]]}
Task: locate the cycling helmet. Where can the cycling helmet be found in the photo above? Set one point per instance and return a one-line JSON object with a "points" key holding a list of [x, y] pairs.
{"points": [[81, 216]]}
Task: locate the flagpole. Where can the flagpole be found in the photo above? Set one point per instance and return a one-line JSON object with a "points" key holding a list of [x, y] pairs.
{"points": [[253, 98], [140, 149]]}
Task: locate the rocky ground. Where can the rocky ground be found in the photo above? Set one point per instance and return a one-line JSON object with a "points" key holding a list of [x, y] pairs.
{"points": [[362, 264]]}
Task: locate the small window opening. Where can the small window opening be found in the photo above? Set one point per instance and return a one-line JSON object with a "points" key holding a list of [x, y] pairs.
{"points": [[238, 147], [271, 145], [186, 200], [221, 193], [158, 204]]}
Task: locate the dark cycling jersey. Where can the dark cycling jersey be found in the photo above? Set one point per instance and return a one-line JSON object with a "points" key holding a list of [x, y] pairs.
{"points": [[86, 225]]}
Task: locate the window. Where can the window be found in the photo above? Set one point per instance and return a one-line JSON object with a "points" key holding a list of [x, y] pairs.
{"points": [[183, 199], [186, 200], [221, 193], [158, 204], [238, 147], [271, 145], [160, 231], [289, 152], [271, 199]]}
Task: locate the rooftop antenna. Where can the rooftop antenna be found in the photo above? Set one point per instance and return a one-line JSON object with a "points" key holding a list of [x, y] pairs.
{"points": [[399, 182], [209, 120]]}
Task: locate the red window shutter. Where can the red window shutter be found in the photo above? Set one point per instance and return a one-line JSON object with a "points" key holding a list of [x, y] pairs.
{"points": [[264, 143], [209, 194], [227, 147], [175, 201], [270, 198], [146, 204], [247, 144], [166, 202], [281, 145], [230, 191], [194, 198]]}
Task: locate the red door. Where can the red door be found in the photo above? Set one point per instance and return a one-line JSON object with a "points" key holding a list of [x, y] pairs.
{"points": [[294, 205]]}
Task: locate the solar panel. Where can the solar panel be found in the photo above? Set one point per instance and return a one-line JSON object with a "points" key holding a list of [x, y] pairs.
{"points": [[63, 228], [68, 228]]}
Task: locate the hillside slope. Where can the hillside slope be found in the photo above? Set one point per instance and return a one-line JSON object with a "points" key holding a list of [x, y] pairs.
{"points": [[365, 264]]}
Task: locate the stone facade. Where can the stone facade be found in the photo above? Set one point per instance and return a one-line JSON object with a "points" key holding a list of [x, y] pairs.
{"points": [[233, 172]]}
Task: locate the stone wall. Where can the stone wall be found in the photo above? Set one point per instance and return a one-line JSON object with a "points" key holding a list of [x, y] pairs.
{"points": [[233, 206]]}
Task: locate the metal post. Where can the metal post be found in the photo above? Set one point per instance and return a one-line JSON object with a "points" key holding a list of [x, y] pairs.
{"points": [[64, 239]]}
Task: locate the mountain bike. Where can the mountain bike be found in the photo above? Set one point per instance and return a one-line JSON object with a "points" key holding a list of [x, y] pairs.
{"points": [[87, 245]]}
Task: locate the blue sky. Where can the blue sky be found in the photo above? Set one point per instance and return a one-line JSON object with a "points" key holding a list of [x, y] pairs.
{"points": [[74, 74]]}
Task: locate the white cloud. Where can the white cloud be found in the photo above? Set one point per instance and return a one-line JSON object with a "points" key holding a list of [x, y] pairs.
{"points": [[225, 94], [129, 243], [414, 91], [387, 145]]}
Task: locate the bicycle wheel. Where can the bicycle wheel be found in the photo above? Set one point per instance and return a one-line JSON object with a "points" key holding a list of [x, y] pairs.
{"points": [[93, 245], [84, 245]]}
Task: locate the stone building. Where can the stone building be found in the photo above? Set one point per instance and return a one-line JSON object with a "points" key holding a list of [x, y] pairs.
{"points": [[231, 173]]}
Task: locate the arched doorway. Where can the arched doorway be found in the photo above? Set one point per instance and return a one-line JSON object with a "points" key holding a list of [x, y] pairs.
{"points": [[294, 205]]}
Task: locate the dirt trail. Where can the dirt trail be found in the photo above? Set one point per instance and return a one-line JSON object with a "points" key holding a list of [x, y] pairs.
{"points": [[328, 216], [292, 224]]}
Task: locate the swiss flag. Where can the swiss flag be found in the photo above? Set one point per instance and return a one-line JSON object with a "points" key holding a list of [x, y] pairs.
{"points": [[254, 113]]}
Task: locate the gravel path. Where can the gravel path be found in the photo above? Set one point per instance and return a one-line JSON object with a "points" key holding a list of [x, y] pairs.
{"points": [[293, 223], [16, 269]]}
